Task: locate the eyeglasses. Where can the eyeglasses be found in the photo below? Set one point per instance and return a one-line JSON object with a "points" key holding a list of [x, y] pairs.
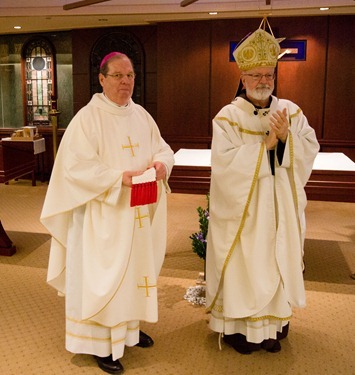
{"points": [[119, 76], [258, 77]]}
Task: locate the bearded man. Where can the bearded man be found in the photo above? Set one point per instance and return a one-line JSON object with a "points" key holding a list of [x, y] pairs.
{"points": [[262, 155]]}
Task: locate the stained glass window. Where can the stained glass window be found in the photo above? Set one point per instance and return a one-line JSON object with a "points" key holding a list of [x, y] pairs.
{"points": [[39, 71]]}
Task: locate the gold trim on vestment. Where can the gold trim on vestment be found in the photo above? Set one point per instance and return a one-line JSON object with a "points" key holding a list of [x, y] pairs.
{"points": [[89, 322], [87, 337], [242, 222], [299, 110], [242, 130], [293, 186], [251, 319], [109, 338]]}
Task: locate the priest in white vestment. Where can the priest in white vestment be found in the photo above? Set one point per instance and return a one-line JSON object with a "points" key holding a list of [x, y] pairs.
{"points": [[262, 155], [106, 253]]}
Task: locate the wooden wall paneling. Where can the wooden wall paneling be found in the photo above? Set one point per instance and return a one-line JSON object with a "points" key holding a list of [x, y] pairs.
{"points": [[303, 81], [149, 42], [339, 119], [82, 41], [184, 79], [151, 93]]}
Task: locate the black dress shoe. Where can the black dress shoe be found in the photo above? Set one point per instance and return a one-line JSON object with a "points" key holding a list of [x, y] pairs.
{"points": [[107, 364], [145, 341], [239, 343], [271, 345]]}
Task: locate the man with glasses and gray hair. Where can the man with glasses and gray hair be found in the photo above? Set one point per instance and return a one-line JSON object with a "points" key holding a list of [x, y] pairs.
{"points": [[262, 155], [106, 210]]}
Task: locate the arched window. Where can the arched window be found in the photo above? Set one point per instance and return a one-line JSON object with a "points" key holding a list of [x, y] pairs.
{"points": [[121, 42], [38, 57]]}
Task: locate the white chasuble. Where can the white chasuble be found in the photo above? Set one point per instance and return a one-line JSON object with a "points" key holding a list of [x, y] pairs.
{"points": [[105, 255], [256, 228]]}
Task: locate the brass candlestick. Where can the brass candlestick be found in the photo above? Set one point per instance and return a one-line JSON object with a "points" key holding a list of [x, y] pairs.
{"points": [[54, 114]]}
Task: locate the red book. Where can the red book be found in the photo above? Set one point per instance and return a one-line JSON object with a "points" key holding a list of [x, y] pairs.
{"points": [[144, 188]]}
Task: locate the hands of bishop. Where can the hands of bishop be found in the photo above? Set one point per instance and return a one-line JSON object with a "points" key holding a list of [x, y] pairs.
{"points": [[279, 124], [271, 140]]}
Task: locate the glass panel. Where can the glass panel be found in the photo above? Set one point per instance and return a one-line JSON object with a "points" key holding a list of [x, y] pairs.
{"points": [[11, 109]]}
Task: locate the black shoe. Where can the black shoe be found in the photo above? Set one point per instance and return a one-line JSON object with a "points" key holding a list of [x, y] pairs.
{"points": [[107, 364], [271, 345], [145, 341], [239, 343]]}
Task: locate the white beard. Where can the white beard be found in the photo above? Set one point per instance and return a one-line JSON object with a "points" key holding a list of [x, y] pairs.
{"points": [[261, 92]]}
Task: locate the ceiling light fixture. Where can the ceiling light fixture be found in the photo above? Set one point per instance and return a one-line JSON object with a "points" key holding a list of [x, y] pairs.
{"points": [[18, 27], [324, 8], [212, 13]]}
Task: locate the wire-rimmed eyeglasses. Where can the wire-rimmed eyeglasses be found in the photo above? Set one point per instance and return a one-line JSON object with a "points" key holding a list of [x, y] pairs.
{"points": [[119, 76], [258, 77]]}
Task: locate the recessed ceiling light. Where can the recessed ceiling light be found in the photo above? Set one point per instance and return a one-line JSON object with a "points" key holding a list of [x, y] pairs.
{"points": [[17, 27], [212, 13], [324, 8]]}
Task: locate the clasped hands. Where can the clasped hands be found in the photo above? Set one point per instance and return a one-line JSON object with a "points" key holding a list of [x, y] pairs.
{"points": [[159, 169], [278, 129]]}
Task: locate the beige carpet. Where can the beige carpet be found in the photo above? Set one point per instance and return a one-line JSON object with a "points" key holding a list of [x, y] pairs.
{"points": [[321, 338]]}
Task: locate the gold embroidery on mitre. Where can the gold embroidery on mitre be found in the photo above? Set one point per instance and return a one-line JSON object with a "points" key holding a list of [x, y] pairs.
{"points": [[258, 49]]}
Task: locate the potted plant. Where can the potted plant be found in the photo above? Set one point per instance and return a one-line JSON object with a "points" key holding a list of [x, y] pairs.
{"points": [[199, 239]]}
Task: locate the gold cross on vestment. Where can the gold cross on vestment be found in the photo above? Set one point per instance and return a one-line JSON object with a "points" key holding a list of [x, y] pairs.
{"points": [[146, 286], [139, 217], [130, 146]]}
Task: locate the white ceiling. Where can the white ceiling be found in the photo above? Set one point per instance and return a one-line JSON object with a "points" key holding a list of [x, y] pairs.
{"points": [[48, 15]]}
